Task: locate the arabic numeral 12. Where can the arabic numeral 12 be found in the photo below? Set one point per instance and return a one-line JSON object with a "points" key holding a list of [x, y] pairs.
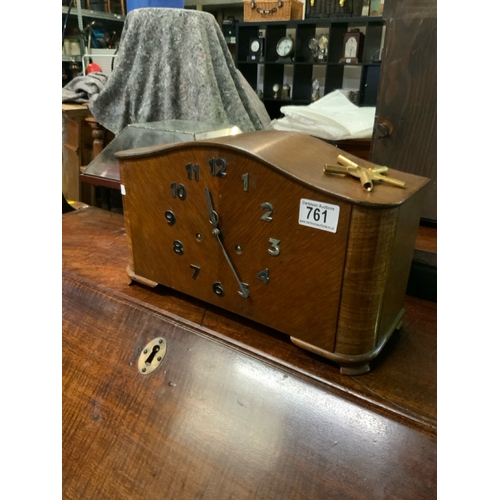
{"points": [[316, 214]]}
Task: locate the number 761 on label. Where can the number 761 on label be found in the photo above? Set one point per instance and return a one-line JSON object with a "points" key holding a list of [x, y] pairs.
{"points": [[319, 215]]}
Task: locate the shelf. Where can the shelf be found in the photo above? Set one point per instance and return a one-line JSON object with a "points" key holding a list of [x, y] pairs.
{"points": [[319, 22], [361, 77], [213, 3], [303, 63], [105, 21], [95, 14], [71, 58]]}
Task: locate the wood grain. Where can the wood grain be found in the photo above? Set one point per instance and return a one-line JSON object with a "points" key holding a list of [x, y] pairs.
{"points": [[293, 275], [407, 96], [213, 421], [74, 151], [371, 237], [402, 383], [299, 157], [400, 262]]}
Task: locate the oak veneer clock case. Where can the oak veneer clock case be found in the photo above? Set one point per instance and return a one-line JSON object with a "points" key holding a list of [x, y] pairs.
{"points": [[251, 223]]}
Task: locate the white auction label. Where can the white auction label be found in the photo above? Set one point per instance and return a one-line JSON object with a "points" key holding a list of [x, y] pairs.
{"points": [[319, 215]]}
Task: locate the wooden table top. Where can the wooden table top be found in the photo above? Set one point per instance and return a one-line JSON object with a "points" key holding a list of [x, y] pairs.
{"points": [[239, 411]]}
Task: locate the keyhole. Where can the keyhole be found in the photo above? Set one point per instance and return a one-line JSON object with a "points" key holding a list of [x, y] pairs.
{"points": [[155, 349], [152, 355]]}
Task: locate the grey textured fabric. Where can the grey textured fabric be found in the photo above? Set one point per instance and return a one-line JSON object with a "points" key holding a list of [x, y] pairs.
{"points": [[81, 88], [174, 64]]}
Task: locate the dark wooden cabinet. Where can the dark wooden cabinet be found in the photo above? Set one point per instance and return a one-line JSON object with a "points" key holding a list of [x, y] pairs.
{"points": [[405, 135], [360, 79]]}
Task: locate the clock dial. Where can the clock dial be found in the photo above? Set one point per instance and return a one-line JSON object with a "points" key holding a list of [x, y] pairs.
{"points": [[237, 239], [255, 46], [284, 48], [351, 47]]}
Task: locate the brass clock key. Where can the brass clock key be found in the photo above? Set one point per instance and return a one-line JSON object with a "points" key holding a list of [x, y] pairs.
{"points": [[365, 175]]}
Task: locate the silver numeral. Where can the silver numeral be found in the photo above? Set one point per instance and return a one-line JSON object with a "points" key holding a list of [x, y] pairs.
{"points": [[178, 247], [275, 244], [268, 212], [244, 292], [170, 216], [196, 270], [218, 167], [264, 276], [245, 181], [193, 171], [178, 190]]}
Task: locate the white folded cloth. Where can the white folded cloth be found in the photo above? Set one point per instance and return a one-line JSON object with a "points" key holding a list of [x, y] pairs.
{"points": [[332, 117]]}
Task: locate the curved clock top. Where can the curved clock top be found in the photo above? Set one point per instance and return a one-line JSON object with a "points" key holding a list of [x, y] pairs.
{"points": [[300, 157]]}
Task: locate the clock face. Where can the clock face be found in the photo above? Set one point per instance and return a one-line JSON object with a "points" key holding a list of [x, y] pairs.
{"points": [[284, 47], [351, 47], [228, 229], [255, 46], [276, 87]]}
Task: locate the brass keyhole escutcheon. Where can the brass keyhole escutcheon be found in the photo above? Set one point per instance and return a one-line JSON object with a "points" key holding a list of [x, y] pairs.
{"points": [[152, 355]]}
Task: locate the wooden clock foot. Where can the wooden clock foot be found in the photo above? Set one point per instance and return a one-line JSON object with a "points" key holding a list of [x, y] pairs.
{"points": [[353, 370], [354, 364], [140, 279], [349, 365]]}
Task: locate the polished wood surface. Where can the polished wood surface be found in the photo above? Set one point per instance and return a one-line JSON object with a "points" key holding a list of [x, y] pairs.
{"points": [[367, 266], [235, 410], [299, 157], [427, 239], [329, 290], [403, 380]]}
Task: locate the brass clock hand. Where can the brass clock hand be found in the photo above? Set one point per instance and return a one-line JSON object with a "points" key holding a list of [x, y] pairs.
{"points": [[214, 220]]}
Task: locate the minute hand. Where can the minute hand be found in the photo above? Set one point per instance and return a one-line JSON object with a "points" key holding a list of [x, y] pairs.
{"points": [[214, 220]]}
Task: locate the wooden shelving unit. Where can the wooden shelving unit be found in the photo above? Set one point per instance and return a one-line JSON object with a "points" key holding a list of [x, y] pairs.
{"points": [[361, 78]]}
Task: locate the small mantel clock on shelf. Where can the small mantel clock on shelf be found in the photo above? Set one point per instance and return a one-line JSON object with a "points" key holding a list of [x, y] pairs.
{"points": [[353, 47], [255, 49], [285, 48], [285, 91]]}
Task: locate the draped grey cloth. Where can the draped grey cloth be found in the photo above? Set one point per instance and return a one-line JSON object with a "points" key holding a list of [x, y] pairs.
{"points": [[174, 64], [81, 88]]}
